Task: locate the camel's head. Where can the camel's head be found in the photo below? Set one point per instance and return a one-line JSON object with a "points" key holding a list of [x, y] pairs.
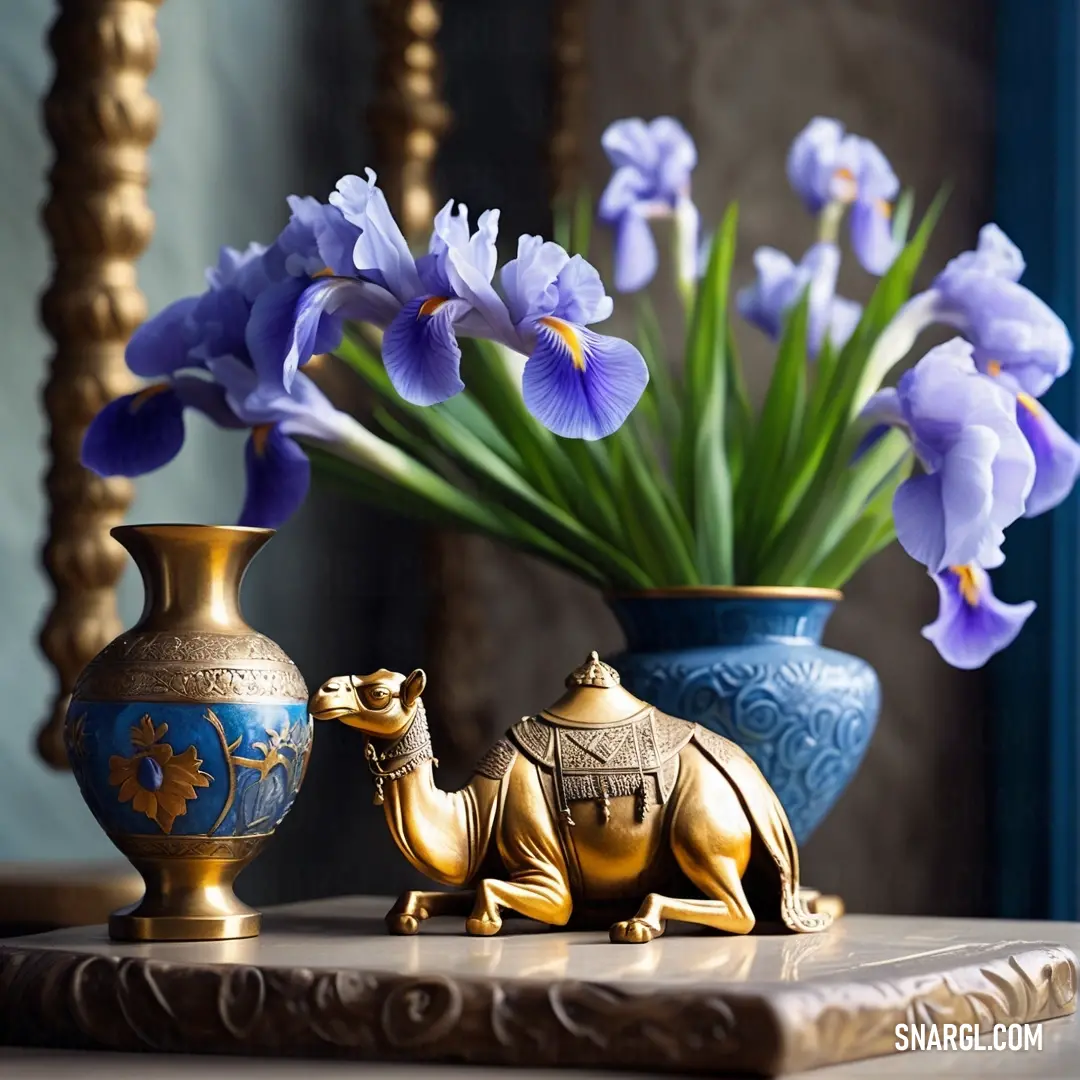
{"points": [[381, 704]]}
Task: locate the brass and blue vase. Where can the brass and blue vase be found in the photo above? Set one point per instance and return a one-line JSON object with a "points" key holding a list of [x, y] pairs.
{"points": [[189, 734], [749, 664]]}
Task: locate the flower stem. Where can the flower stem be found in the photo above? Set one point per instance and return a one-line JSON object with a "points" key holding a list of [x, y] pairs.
{"points": [[829, 222], [894, 343], [686, 233]]}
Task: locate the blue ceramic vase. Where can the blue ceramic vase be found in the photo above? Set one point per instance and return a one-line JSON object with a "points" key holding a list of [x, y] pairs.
{"points": [[749, 664], [189, 734]]}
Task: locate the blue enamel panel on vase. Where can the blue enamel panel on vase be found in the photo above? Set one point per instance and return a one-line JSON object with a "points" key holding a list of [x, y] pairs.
{"points": [[153, 768], [754, 671]]}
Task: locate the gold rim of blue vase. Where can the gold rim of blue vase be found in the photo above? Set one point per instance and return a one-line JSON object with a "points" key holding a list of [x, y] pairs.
{"points": [[729, 592]]}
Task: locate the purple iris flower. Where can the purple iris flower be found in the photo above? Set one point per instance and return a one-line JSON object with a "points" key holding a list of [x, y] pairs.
{"points": [[781, 283], [972, 624], [978, 466], [422, 303], [828, 168], [1018, 341], [653, 162], [211, 353], [577, 383], [1015, 334]]}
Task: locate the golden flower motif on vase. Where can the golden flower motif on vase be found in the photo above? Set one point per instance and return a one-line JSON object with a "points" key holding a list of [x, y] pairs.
{"points": [[157, 782]]}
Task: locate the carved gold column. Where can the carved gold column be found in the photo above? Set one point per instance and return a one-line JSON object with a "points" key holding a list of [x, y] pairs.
{"points": [[408, 116], [568, 106], [101, 121]]}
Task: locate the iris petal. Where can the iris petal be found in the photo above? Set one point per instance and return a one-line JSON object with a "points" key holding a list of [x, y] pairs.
{"points": [[810, 160], [920, 519], [160, 345], [135, 434], [871, 237], [1009, 326], [278, 477], [967, 494], [995, 255], [676, 151], [582, 298], [579, 384], [301, 410], [208, 398], [469, 283], [269, 332], [626, 187], [380, 247], [881, 413], [529, 279], [629, 143], [972, 623], [421, 353], [220, 318], [635, 252], [1057, 456], [319, 312]]}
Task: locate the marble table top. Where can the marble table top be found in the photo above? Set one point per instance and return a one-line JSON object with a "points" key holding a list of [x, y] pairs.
{"points": [[325, 980]]}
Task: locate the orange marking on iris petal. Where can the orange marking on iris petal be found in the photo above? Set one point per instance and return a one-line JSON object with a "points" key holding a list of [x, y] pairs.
{"points": [[260, 435], [431, 305], [1029, 403], [324, 272], [884, 208], [993, 367], [143, 396], [849, 185], [567, 336], [969, 588]]}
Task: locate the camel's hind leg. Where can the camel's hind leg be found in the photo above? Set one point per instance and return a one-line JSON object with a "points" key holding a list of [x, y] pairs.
{"points": [[710, 837], [414, 907]]}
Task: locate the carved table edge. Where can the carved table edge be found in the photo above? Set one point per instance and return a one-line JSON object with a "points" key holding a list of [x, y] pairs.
{"points": [[71, 1000]]}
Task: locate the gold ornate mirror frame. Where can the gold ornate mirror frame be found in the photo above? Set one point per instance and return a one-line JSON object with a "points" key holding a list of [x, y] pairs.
{"points": [[101, 121]]}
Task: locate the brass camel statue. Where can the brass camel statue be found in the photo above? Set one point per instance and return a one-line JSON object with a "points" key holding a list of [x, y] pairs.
{"points": [[601, 804]]}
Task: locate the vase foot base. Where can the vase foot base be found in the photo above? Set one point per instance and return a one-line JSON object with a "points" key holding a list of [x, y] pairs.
{"points": [[189, 889], [128, 925]]}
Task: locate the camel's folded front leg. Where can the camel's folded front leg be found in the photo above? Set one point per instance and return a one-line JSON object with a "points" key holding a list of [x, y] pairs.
{"points": [[539, 893], [537, 884], [414, 907]]}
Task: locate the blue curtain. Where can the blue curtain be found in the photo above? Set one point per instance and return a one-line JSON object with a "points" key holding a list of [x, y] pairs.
{"points": [[1036, 752]]}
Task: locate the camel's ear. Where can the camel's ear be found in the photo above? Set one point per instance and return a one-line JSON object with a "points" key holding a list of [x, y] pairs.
{"points": [[412, 688]]}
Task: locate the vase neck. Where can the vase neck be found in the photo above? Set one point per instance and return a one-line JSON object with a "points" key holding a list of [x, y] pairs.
{"points": [[665, 623], [191, 574]]}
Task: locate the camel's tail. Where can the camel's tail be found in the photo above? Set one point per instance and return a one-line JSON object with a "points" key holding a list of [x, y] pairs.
{"points": [[771, 824]]}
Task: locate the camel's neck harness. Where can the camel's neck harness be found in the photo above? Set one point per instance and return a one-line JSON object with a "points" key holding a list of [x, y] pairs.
{"points": [[406, 753]]}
